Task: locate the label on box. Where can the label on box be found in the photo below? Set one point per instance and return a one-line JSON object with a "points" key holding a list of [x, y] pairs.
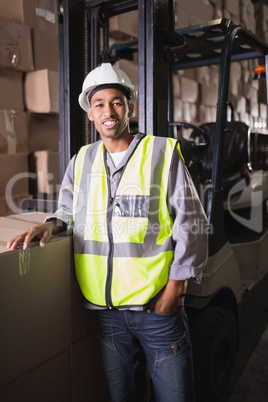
{"points": [[9, 121], [40, 12], [50, 17], [46, 14]]}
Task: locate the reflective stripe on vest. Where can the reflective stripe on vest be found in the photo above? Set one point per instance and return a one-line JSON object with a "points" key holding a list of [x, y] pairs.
{"points": [[123, 248]]}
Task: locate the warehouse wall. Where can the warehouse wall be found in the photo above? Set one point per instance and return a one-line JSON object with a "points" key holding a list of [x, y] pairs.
{"points": [[29, 96]]}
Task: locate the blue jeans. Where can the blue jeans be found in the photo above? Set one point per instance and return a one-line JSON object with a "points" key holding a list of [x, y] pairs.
{"points": [[131, 341]]}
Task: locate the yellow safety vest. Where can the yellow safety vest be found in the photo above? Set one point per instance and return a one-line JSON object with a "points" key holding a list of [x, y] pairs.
{"points": [[123, 247]]}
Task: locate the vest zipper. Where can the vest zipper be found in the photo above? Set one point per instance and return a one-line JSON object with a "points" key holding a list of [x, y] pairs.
{"points": [[111, 251]]}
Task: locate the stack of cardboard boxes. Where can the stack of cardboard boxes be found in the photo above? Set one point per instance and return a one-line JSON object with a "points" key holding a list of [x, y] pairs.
{"points": [[193, 12], [29, 101], [247, 95]]}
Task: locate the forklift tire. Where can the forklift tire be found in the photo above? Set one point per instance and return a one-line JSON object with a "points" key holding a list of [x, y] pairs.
{"points": [[214, 338]]}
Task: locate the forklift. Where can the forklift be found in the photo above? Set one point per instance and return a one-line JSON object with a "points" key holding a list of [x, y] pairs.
{"points": [[234, 288]]}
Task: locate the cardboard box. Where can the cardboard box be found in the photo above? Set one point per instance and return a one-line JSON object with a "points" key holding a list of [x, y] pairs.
{"points": [[15, 46], [35, 302], [177, 110], [254, 109], [241, 105], [125, 26], [207, 114], [189, 90], [250, 92], [189, 73], [3, 206], [245, 75], [176, 85], [45, 50], [11, 94], [42, 91], [14, 175], [236, 71], [39, 14], [186, 112], [43, 322], [226, 14], [198, 10], [18, 223], [13, 132], [249, 15], [209, 94], [203, 75], [49, 382], [12, 205], [83, 320], [261, 10], [234, 88], [182, 19], [132, 70], [217, 11], [193, 112], [233, 6], [263, 110], [88, 378], [43, 132], [46, 166]]}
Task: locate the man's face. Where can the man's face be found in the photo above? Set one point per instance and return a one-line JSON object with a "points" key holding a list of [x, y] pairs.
{"points": [[110, 112]]}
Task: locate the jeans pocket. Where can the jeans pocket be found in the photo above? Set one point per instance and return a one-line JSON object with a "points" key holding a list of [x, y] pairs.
{"points": [[174, 349], [172, 313]]}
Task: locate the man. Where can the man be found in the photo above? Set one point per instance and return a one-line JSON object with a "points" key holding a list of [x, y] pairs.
{"points": [[134, 213]]}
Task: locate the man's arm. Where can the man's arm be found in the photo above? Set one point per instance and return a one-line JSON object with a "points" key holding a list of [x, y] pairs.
{"points": [[190, 226], [60, 221], [189, 236]]}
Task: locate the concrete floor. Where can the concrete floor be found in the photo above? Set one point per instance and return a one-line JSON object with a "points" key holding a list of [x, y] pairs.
{"points": [[249, 382]]}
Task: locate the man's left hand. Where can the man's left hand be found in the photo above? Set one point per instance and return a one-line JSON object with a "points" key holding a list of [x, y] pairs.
{"points": [[167, 300]]}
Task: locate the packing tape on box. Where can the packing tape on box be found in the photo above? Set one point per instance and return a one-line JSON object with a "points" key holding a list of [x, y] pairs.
{"points": [[24, 262], [10, 134]]}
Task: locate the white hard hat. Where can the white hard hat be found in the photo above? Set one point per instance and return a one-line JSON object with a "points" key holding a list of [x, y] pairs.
{"points": [[106, 74]]}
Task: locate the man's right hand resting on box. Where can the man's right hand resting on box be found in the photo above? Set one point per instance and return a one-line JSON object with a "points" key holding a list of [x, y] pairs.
{"points": [[44, 231]]}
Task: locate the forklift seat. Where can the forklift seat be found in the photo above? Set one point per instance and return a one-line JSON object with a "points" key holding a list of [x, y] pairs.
{"points": [[236, 153]]}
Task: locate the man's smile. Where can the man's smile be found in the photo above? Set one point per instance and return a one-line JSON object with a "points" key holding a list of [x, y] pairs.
{"points": [[109, 123]]}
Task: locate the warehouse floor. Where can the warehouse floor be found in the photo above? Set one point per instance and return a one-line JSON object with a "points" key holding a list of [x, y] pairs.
{"points": [[249, 382]]}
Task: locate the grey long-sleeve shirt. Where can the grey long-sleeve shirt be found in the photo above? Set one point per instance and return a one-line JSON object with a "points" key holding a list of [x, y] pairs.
{"points": [[190, 223]]}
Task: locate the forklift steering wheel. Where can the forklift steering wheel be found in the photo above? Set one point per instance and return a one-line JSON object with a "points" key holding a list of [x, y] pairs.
{"points": [[199, 139]]}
